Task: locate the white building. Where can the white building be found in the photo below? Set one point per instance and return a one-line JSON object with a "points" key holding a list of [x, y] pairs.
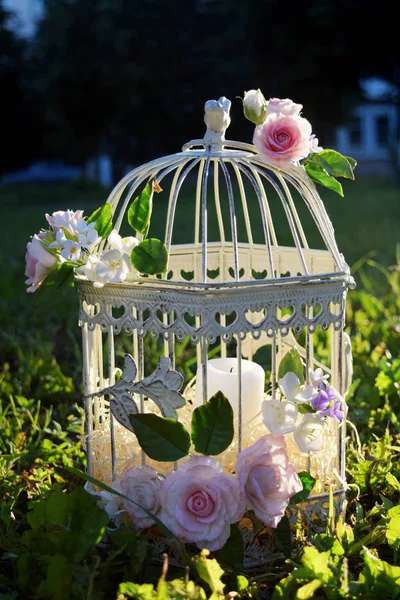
{"points": [[372, 137], [26, 14]]}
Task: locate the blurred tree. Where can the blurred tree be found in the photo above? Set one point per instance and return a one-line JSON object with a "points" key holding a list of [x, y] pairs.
{"points": [[20, 123], [130, 77]]}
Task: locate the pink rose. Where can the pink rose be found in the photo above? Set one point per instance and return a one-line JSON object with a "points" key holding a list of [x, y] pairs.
{"points": [[64, 218], [268, 479], [285, 107], [38, 262], [142, 485], [282, 139], [199, 502]]}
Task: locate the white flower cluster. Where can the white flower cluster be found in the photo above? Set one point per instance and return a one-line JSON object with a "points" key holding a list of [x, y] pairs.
{"points": [[113, 266], [281, 415]]}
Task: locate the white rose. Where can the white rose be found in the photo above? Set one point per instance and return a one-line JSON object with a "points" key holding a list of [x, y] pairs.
{"points": [[141, 484], [254, 105]]}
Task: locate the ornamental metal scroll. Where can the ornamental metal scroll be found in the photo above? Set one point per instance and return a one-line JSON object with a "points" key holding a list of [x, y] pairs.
{"points": [[142, 310], [162, 386]]}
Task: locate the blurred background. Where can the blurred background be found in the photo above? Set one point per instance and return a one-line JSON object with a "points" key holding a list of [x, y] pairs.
{"points": [[90, 89]]}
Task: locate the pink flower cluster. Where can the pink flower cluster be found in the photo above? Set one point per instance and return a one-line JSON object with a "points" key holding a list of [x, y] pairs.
{"points": [[38, 260], [284, 136], [199, 501]]}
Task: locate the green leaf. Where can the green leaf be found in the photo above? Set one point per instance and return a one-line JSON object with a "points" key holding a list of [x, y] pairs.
{"points": [[393, 527], [74, 522], [283, 537], [212, 425], [334, 163], [161, 439], [109, 489], [232, 553], [210, 572], [150, 257], [380, 577], [60, 277], [58, 581], [102, 218], [393, 481], [139, 212], [307, 591], [318, 175], [317, 563], [305, 408], [145, 591], [284, 589], [352, 161], [291, 362], [308, 482]]}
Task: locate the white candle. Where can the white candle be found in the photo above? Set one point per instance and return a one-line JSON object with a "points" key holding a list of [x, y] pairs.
{"points": [[222, 375]]}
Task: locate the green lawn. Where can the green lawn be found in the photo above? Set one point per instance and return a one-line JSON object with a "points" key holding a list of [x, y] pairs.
{"points": [[366, 219]]}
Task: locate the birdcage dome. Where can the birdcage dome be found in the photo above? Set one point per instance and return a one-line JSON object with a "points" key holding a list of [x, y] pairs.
{"points": [[233, 226]]}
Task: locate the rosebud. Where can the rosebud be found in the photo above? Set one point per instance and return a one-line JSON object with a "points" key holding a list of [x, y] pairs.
{"points": [[254, 106]]}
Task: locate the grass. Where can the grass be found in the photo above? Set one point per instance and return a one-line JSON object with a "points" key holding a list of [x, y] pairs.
{"points": [[367, 218], [41, 421]]}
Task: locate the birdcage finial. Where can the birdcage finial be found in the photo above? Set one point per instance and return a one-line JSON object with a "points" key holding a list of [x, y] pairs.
{"points": [[217, 119]]}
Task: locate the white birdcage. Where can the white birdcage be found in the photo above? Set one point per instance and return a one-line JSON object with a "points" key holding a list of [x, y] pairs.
{"points": [[232, 289]]}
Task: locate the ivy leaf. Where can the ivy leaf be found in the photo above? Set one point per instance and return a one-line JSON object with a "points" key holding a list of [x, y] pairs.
{"points": [[334, 163], [161, 439], [102, 218], [308, 482], [291, 362], [319, 175], [150, 257], [212, 425], [139, 212]]}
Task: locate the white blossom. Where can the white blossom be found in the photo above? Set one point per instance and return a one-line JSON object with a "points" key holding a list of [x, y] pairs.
{"points": [[89, 238], [317, 377], [279, 416], [71, 250], [309, 433], [124, 245], [113, 267], [64, 218], [293, 391], [59, 241]]}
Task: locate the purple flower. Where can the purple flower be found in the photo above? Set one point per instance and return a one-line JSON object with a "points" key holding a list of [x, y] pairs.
{"points": [[324, 398], [334, 411]]}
